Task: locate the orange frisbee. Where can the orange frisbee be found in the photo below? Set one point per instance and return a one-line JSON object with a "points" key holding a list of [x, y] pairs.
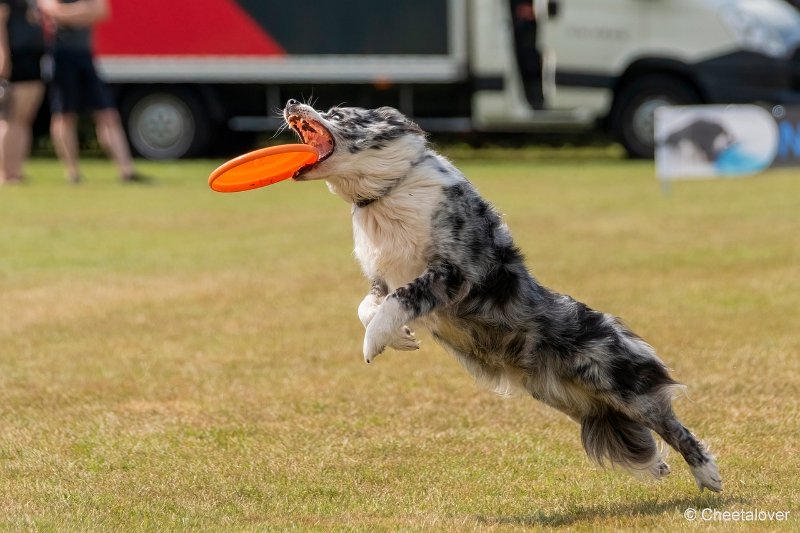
{"points": [[262, 167]]}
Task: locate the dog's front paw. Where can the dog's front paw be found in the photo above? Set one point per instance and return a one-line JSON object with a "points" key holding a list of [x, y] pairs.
{"points": [[372, 349], [405, 340], [368, 308], [375, 343], [384, 329]]}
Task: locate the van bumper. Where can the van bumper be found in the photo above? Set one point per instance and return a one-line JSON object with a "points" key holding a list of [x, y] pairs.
{"points": [[742, 77]]}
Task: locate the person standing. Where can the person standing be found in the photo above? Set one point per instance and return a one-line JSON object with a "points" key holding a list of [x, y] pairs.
{"points": [[524, 22], [21, 87], [76, 86]]}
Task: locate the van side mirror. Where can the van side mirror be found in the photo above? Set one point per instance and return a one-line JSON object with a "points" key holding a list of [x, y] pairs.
{"points": [[552, 8]]}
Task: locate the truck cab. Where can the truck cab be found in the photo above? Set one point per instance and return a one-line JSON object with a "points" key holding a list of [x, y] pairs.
{"points": [[613, 62]]}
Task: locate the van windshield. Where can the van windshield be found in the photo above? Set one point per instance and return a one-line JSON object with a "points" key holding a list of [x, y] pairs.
{"points": [[776, 13], [772, 26]]}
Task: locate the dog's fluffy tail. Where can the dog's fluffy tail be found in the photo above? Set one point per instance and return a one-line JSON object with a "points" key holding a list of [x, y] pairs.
{"points": [[610, 436]]}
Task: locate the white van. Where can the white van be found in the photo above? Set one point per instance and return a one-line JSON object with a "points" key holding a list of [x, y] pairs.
{"points": [[457, 65], [616, 61]]}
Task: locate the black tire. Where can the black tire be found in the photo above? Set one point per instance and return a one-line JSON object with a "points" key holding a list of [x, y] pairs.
{"points": [[634, 107], [166, 123]]}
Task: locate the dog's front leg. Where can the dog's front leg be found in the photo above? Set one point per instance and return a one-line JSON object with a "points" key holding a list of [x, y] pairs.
{"points": [[372, 301], [368, 308], [437, 286]]}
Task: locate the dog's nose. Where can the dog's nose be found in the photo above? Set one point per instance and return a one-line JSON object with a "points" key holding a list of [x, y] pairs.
{"points": [[292, 102]]}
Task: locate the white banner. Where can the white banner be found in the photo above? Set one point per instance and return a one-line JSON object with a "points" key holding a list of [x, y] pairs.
{"points": [[716, 140]]}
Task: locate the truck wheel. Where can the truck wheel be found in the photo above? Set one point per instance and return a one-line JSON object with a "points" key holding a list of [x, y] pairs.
{"points": [[165, 123], [633, 115]]}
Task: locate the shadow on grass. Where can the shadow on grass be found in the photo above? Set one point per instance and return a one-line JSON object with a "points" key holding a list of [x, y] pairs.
{"points": [[622, 509]]}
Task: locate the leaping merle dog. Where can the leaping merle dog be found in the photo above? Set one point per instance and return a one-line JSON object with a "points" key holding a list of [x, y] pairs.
{"points": [[438, 255]]}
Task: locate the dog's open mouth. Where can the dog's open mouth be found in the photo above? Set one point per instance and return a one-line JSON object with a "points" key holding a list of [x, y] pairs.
{"points": [[315, 135]]}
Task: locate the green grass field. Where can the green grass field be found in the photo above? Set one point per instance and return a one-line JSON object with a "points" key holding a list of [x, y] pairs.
{"points": [[174, 359]]}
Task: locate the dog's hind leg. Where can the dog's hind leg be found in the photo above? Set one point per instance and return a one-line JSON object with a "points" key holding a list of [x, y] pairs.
{"points": [[644, 391], [693, 450], [654, 410]]}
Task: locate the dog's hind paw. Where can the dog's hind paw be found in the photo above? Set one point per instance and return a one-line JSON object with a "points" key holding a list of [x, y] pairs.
{"points": [[707, 477], [406, 341], [660, 470]]}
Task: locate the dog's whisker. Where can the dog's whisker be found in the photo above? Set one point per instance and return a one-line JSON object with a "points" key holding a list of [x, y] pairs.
{"points": [[283, 127]]}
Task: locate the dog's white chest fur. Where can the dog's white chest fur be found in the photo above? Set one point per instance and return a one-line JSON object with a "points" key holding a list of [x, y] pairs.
{"points": [[393, 236]]}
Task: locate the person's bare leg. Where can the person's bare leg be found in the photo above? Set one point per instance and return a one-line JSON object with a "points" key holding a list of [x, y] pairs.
{"points": [[112, 138], [3, 133], [26, 97], [64, 130]]}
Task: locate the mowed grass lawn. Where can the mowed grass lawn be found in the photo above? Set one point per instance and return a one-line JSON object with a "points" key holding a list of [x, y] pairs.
{"points": [[173, 358]]}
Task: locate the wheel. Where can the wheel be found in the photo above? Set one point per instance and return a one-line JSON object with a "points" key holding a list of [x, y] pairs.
{"points": [[166, 123], [633, 115]]}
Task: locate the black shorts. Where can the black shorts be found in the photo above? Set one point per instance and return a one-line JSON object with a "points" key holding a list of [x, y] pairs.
{"points": [[26, 66], [75, 85]]}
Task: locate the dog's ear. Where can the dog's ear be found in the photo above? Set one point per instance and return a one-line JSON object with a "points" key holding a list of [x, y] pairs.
{"points": [[390, 113], [396, 118]]}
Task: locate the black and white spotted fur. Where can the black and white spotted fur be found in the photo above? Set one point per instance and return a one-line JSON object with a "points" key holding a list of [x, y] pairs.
{"points": [[438, 255]]}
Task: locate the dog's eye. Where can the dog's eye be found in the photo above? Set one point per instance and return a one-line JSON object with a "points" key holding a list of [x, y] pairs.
{"points": [[335, 115]]}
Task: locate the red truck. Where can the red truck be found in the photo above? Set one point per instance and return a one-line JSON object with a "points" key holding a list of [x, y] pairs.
{"points": [[188, 74]]}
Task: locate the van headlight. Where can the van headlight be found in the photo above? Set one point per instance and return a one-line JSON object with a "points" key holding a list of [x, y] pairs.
{"points": [[754, 28]]}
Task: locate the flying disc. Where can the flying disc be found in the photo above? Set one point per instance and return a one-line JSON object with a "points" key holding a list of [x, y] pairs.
{"points": [[262, 167]]}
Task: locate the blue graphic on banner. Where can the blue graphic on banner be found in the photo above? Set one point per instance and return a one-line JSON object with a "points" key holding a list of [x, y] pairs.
{"points": [[735, 161]]}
